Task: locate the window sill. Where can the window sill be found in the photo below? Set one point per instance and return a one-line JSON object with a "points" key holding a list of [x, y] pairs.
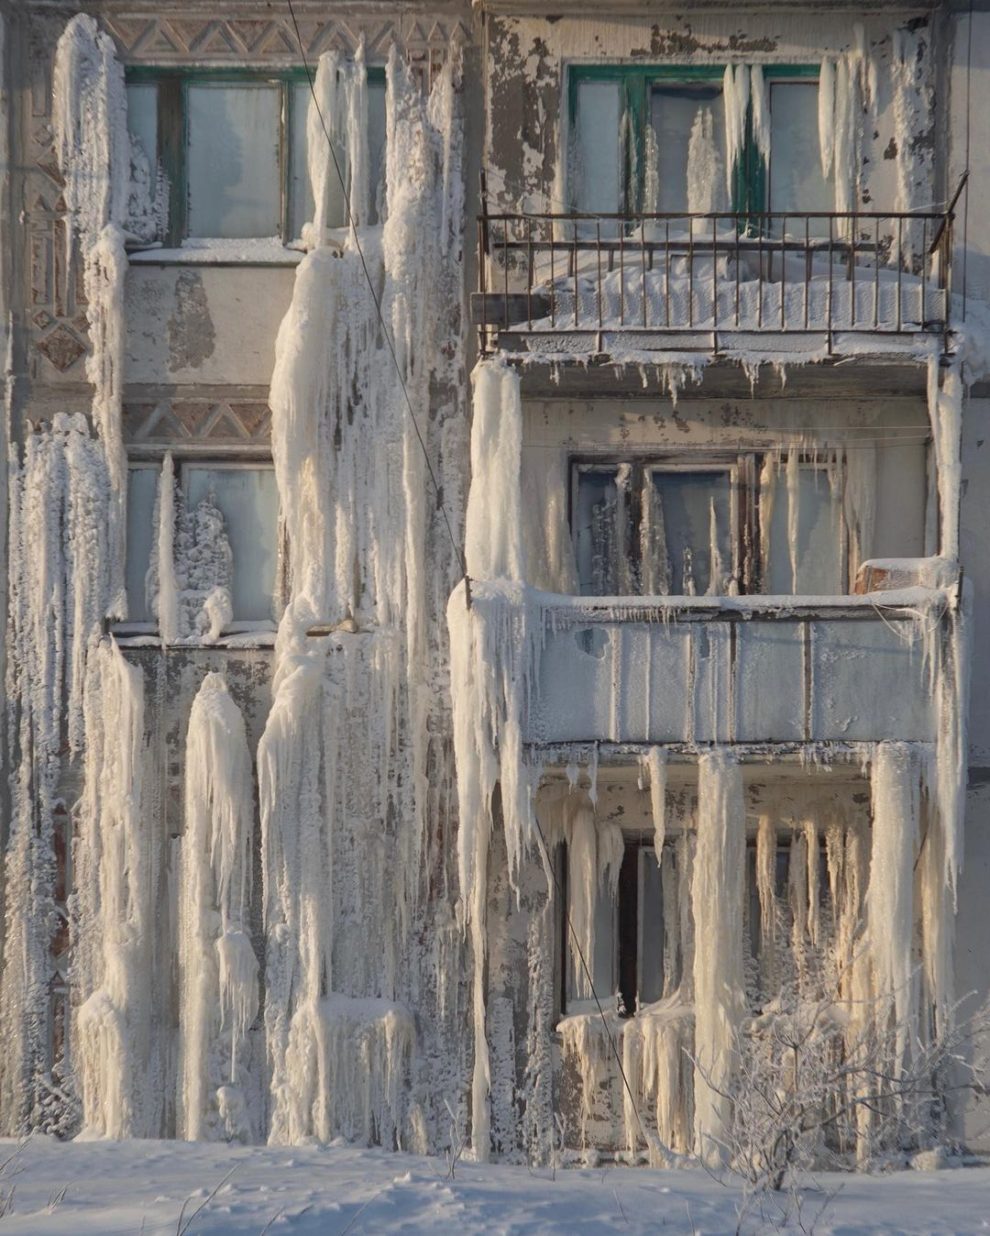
{"points": [[237, 635], [261, 251]]}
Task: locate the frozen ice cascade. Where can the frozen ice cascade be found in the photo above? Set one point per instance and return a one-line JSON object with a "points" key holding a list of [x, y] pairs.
{"points": [[346, 849]]}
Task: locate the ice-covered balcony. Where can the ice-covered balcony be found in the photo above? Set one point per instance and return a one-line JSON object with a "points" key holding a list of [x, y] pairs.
{"points": [[683, 671], [559, 284]]}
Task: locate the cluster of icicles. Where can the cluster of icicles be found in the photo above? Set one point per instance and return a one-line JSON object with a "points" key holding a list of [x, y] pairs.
{"points": [[318, 1041], [358, 883]]}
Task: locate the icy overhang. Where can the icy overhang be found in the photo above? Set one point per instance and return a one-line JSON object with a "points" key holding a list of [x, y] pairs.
{"points": [[774, 669]]}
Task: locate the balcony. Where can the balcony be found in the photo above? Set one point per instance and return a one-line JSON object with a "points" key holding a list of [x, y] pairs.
{"points": [[624, 285], [746, 670]]}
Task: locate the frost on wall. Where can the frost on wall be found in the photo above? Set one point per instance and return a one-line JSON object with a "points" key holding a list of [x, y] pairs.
{"points": [[59, 576], [89, 109], [347, 808], [74, 706]]}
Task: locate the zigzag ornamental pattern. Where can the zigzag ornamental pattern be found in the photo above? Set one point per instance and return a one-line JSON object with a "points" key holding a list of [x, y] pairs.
{"points": [[190, 422], [272, 40]]}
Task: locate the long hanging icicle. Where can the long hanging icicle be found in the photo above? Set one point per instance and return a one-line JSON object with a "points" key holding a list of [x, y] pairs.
{"points": [[716, 899], [343, 880], [218, 971]]}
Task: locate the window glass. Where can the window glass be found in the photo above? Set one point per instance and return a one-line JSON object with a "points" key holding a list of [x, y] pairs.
{"points": [[597, 153], [688, 124], [796, 180], [691, 533], [233, 160], [300, 191], [376, 148], [651, 949], [652, 531], [599, 542], [142, 492], [820, 544], [142, 119], [248, 500]]}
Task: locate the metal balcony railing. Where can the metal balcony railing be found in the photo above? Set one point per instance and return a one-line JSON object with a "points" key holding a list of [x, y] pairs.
{"points": [[576, 282]]}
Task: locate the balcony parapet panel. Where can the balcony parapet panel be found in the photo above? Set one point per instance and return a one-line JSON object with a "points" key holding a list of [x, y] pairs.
{"points": [[698, 670]]}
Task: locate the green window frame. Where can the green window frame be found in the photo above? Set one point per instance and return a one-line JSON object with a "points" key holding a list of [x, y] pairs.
{"points": [[749, 176], [173, 84]]}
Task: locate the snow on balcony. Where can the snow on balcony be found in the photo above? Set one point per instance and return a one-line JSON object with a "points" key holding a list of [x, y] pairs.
{"points": [[555, 284]]}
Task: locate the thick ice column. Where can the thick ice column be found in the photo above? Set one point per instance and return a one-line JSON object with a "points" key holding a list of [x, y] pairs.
{"points": [[114, 913], [896, 799], [89, 114], [717, 901], [218, 971]]}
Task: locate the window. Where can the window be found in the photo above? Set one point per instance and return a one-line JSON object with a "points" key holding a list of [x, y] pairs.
{"points": [[709, 526], [654, 529], [655, 139], [225, 536], [233, 150], [643, 928]]}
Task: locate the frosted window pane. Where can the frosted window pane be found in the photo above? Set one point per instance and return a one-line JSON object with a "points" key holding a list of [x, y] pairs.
{"points": [[233, 161], [142, 488], [796, 180], [651, 939], [820, 570], [376, 148], [687, 500], [248, 499], [596, 531], [689, 126], [301, 195], [598, 148], [142, 119]]}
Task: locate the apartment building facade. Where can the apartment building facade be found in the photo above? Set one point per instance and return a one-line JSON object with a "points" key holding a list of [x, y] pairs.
{"points": [[495, 572]]}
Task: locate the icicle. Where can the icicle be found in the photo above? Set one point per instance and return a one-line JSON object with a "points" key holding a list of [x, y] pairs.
{"points": [[761, 112], [716, 576], [656, 762], [766, 886], [735, 94], [114, 915], [793, 474], [653, 555], [493, 525], [704, 172], [716, 897], [826, 114], [896, 793], [218, 971], [167, 601]]}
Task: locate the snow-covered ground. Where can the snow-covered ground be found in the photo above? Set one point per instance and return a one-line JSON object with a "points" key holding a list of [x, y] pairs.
{"points": [[143, 1187]]}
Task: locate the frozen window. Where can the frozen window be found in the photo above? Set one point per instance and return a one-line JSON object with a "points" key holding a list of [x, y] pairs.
{"points": [[142, 492], [796, 180], [637, 948], [688, 129], [232, 136], [248, 500], [217, 505], [301, 197], [234, 153], [806, 545], [598, 147], [142, 118], [641, 529]]}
